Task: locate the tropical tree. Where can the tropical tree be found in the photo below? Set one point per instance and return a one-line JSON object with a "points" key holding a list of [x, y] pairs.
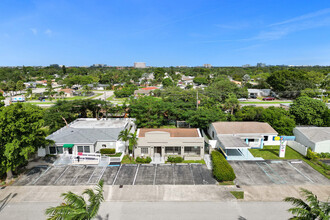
{"points": [[231, 103], [124, 135], [76, 207], [311, 209], [28, 93], [132, 141]]}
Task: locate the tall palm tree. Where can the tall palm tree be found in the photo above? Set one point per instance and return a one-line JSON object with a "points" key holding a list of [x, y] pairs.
{"points": [[124, 135], [311, 209], [76, 207], [133, 141]]}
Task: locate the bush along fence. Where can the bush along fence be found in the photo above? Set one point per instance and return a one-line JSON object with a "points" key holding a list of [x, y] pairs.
{"points": [[222, 171], [174, 159], [143, 160]]}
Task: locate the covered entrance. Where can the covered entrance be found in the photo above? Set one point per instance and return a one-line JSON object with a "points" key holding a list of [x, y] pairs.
{"points": [[158, 150], [68, 148]]}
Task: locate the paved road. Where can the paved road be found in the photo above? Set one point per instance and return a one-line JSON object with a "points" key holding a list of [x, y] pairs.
{"points": [[104, 96], [161, 210]]}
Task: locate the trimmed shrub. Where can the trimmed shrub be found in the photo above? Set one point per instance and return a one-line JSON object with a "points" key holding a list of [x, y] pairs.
{"points": [[143, 160], [108, 151], [172, 159], [222, 170], [311, 155], [323, 155]]}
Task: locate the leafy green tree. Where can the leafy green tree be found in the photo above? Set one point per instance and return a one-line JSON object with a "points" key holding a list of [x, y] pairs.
{"points": [[200, 80], [28, 93], [132, 142], [21, 133], [202, 117], [149, 111], [249, 113], [159, 74], [308, 111], [50, 90], [76, 206], [20, 85], [2, 98], [167, 82], [63, 69], [280, 119], [231, 103], [312, 208]]}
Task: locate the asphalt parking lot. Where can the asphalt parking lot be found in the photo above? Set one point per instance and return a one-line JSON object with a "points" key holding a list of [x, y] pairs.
{"points": [[126, 174], [277, 172]]}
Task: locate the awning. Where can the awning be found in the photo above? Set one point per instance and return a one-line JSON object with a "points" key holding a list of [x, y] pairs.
{"points": [[232, 142], [68, 145]]}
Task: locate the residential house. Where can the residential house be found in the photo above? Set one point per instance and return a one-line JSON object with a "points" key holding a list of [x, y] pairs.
{"points": [[99, 86], [316, 138], [163, 142], [259, 92], [88, 135], [67, 92], [235, 138], [145, 91]]}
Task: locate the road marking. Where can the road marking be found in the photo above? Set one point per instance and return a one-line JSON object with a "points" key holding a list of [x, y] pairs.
{"points": [[301, 172], [91, 175], [74, 179], [116, 175], [137, 170], [41, 175], [192, 174], [173, 174], [61, 175], [155, 174], [102, 172]]}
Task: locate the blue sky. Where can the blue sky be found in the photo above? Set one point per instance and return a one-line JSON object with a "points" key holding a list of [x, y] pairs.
{"points": [[164, 33]]}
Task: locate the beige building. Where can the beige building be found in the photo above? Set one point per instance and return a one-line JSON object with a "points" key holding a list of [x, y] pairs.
{"points": [[161, 143]]}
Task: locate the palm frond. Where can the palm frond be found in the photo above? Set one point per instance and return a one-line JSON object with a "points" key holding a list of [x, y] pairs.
{"points": [[74, 199]]}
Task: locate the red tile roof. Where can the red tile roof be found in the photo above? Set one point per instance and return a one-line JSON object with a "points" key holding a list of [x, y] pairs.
{"points": [[150, 88]]}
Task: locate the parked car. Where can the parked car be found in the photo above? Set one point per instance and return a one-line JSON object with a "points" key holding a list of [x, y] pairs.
{"points": [[268, 99], [253, 96], [42, 98], [242, 99]]}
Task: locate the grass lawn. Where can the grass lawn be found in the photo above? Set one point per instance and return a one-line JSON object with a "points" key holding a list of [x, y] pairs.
{"points": [[271, 153], [39, 103], [168, 126], [238, 194], [127, 160], [194, 161], [226, 183]]}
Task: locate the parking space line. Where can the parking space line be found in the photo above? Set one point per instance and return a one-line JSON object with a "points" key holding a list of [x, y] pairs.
{"points": [[173, 174], [91, 175], [75, 177], [41, 175], [137, 170], [301, 172], [192, 174], [155, 174], [61, 174], [102, 172], [116, 175]]}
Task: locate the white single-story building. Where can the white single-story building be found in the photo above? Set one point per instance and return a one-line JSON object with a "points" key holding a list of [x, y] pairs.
{"points": [[317, 138], [235, 138], [163, 142], [88, 135], [259, 92]]}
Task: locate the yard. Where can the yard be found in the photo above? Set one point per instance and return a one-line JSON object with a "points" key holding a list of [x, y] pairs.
{"points": [[271, 152]]}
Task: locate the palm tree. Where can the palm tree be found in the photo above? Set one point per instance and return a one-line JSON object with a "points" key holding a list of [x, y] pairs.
{"points": [[124, 135], [314, 210], [133, 142], [76, 207]]}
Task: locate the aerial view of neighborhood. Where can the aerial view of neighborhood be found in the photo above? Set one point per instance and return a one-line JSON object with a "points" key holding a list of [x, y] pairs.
{"points": [[164, 110]]}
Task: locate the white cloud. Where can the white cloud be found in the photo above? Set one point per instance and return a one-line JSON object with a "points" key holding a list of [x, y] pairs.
{"points": [[303, 17], [48, 32], [34, 31]]}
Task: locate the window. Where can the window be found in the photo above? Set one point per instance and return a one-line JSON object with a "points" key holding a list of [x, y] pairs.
{"points": [[250, 140], [52, 150], [265, 138], [172, 150], [192, 150], [213, 134], [144, 150], [103, 145], [86, 149], [80, 149], [59, 150]]}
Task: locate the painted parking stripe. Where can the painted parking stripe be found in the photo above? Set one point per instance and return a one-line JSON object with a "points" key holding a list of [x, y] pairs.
{"points": [[34, 182], [61, 174], [192, 174], [116, 175], [301, 172], [173, 174], [75, 177], [155, 174], [102, 172], [137, 170]]}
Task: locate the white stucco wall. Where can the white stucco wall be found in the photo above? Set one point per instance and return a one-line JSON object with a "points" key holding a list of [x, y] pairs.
{"points": [[109, 144], [322, 147]]}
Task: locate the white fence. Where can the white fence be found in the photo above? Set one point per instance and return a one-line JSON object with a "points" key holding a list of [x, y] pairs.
{"points": [[298, 147]]}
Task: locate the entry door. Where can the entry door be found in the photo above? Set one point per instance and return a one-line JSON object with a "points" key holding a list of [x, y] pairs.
{"points": [[70, 150], [158, 150]]}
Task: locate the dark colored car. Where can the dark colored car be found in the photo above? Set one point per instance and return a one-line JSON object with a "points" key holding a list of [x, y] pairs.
{"points": [[268, 99], [42, 98]]}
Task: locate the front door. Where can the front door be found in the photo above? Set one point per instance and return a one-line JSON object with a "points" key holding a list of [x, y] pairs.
{"points": [[70, 150], [158, 150]]}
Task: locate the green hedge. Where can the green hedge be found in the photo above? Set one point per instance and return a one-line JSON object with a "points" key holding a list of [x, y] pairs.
{"points": [[108, 151], [143, 160], [222, 170], [172, 159]]}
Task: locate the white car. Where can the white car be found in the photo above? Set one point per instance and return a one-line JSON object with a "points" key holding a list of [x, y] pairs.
{"points": [[242, 99]]}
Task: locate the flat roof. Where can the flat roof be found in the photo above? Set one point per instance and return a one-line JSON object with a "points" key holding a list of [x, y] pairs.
{"points": [[174, 132], [315, 134], [94, 123], [246, 127], [232, 142]]}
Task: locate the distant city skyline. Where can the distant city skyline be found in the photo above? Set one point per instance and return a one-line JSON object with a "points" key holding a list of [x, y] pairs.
{"points": [[171, 33]]}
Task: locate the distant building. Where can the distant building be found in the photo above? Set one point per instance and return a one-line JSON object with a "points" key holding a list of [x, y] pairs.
{"points": [[259, 92], [317, 138], [207, 65], [140, 65], [261, 65], [99, 65], [246, 65]]}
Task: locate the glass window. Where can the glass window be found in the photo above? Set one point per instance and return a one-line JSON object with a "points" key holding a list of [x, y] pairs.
{"points": [[169, 150], [144, 150], [213, 134], [103, 145], [250, 140], [59, 150], [177, 150], [192, 150], [265, 138], [52, 150], [80, 149], [86, 149]]}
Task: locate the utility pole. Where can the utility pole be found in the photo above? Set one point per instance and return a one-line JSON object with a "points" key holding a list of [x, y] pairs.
{"points": [[197, 101]]}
